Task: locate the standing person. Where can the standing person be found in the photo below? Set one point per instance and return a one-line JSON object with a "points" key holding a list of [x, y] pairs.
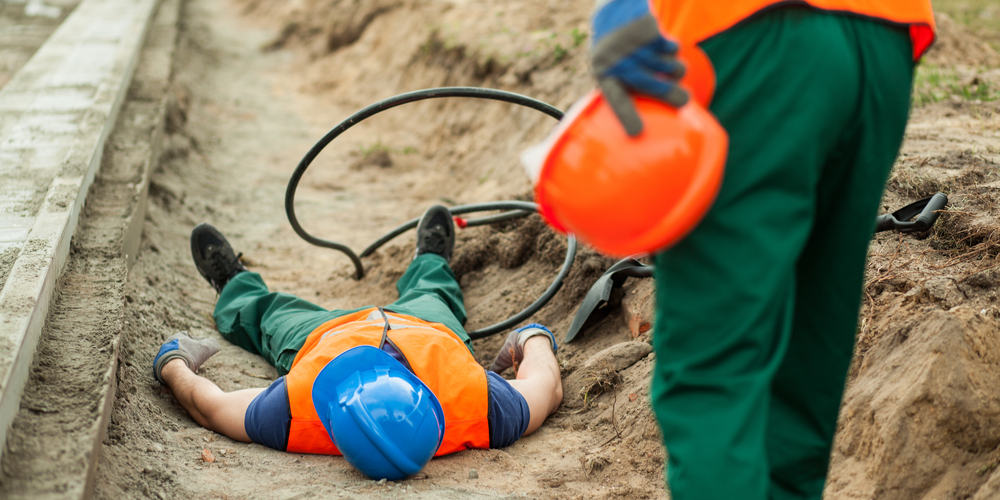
{"points": [[388, 388], [756, 309]]}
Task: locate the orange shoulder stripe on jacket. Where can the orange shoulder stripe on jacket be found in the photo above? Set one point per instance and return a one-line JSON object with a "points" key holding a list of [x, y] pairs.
{"points": [[693, 21]]}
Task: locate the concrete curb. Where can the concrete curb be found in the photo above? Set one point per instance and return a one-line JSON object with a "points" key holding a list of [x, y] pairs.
{"points": [[151, 85], [55, 116], [55, 444]]}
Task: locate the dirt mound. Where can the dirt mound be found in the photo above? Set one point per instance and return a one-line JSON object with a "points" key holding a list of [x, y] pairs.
{"points": [[959, 45], [922, 417], [536, 47]]}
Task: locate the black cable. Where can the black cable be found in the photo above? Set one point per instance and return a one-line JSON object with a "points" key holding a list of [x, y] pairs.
{"points": [[412, 223], [537, 304], [378, 107], [517, 208]]}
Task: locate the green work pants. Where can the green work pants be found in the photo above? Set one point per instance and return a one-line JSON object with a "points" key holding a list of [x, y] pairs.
{"points": [[275, 325], [757, 308]]}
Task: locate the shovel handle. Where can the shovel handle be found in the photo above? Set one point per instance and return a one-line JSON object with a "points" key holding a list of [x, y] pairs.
{"points": [[924, 213], [641, 271]]}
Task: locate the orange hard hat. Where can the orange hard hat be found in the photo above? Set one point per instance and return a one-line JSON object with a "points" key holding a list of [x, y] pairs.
{"points": [[629, 195], [699, 75]]}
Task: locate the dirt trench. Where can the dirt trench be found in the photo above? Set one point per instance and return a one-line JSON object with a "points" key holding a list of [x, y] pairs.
{"points": [[240, 119], [256, 83]]}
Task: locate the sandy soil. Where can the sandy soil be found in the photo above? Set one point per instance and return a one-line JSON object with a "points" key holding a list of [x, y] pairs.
{"points": [[256, 83]]}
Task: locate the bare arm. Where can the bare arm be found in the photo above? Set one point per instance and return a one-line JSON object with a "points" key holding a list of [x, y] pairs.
{"points": [[210, 406], [539, 381]]}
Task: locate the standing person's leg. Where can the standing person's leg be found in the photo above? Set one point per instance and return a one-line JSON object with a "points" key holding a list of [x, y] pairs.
{"points": [[808, 387], [787, 86], [272, 324]]}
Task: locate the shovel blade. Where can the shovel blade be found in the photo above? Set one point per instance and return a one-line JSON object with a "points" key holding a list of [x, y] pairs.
{"points": [[600, 293], [596, 297]]}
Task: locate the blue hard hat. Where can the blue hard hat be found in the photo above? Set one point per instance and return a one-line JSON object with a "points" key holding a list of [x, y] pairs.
{"points": [[385, 420]]}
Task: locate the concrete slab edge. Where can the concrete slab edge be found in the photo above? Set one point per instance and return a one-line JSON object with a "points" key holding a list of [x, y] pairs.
{"points": [[167, 17], [100, 430], [133, 229], [27, 292]]}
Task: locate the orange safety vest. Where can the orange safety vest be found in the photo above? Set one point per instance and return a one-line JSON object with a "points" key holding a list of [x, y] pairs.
{"points": [[693, 21], [435, 354]]}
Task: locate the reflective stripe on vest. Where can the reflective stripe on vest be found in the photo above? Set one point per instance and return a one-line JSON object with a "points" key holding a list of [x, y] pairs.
{"points": [[434, 353], [692, 21]]}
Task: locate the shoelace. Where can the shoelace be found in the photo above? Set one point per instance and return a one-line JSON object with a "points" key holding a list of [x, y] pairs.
{"points": [[434, 239], [221, 269]]}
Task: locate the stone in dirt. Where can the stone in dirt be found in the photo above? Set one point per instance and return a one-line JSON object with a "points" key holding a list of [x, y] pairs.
{"points": [[601, 372], [638, 307]]}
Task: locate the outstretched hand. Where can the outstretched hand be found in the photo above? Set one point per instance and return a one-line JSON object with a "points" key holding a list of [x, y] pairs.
{"points": [[512, 351], [180, 345], [630, 54]]}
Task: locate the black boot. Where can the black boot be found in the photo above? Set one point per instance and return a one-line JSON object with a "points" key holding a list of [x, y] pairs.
{"points": [[436, 232], [213, 256]]}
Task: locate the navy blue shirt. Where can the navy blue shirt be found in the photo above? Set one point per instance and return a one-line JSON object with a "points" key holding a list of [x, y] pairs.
{"points": [[269, 415]]}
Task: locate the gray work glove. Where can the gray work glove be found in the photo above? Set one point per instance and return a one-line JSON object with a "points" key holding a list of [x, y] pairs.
{"points": [[180, 345], [630, 54], [512, 351]]}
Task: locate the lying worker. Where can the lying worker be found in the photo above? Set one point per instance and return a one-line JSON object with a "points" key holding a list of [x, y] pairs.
{"points": [[386, 387]]}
